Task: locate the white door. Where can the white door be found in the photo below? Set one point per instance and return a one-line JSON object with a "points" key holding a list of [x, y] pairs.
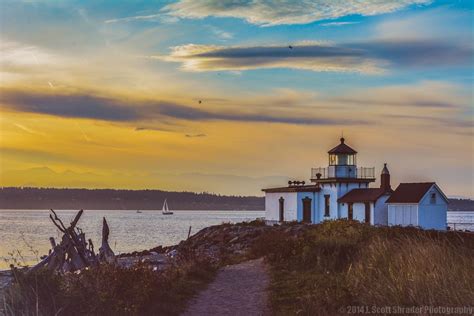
{"points": [[403, 215]]}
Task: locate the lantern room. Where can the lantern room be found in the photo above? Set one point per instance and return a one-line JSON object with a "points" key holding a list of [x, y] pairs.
{"points": [[342, 155], [342, 161]]}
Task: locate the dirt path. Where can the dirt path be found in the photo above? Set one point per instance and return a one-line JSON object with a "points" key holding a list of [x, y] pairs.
{"points": [[239, 289]]}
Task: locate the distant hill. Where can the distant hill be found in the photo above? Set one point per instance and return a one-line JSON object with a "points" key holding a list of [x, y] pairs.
{"points": [[461, 205], [108, 199]]}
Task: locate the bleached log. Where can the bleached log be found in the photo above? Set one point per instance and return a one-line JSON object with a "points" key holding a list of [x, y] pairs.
{"points": [[105, 252]]}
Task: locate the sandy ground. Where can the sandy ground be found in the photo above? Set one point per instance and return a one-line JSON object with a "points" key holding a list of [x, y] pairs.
{"points": [[239, 289]]}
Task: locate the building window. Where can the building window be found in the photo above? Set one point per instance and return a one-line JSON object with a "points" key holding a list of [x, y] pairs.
{"points": [[367, 212], [350, 211], [307, 210], [282, 209], [326, 204], [433, 198]]}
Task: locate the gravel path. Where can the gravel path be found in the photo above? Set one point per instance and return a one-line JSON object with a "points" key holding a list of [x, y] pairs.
{"points": [[239, 289]]}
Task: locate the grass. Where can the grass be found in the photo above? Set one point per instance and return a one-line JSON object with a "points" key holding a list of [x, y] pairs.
{"points": [[109, 290], [320, 270], [344, 263]]}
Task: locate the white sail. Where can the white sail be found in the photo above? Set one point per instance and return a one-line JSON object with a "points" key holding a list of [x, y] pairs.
{"points": [[165, 210]]}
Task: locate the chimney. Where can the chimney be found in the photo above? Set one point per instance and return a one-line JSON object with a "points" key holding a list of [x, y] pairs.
{"points": [[385, 179]]}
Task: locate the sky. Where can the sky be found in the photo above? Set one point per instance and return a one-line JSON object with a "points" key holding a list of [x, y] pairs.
{"points": [[233, 96]]}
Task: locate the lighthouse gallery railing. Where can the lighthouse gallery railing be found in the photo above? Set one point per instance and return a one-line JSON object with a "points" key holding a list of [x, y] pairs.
{"points": [[330, 172]]}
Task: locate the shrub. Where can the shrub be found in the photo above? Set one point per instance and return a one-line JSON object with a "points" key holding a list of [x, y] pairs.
{"points": [[109, 290]]}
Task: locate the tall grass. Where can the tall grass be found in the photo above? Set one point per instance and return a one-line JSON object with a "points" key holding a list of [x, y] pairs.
{"points": [[109, 290], [344, 263], [415, 271]]}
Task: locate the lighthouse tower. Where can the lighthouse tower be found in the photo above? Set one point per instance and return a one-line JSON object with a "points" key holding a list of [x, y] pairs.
{"points": [[342, 161], [343, 167]]}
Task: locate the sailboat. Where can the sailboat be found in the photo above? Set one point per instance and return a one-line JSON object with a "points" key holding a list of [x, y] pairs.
{"points": [[166, 210]]}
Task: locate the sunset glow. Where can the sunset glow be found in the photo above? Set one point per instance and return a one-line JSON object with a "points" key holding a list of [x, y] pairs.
{"points": [[230, 98]]}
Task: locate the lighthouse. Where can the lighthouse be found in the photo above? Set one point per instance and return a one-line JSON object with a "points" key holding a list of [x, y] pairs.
{"points": [[341, 190]]}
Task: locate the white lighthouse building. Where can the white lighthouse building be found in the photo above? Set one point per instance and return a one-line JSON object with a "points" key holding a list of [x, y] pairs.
{"points": [[341, 190]]}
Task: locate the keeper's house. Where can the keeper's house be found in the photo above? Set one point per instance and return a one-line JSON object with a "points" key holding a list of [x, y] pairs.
{"points": [[341, 190]]}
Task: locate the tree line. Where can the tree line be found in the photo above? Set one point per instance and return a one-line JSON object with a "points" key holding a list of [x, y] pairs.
{"points": [[111, 199]]}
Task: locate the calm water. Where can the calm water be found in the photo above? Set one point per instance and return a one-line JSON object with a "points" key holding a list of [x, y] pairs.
{"points": [[461, 220], [129, 231]]}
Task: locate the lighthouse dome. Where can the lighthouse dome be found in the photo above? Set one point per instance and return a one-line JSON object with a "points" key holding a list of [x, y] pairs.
{"points": [[342, 148]]}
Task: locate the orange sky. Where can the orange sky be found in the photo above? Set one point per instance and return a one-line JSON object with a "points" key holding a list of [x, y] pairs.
{"points": [[90, 101]]}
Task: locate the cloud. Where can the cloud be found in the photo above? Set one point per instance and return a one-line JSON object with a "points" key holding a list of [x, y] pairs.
{"points": [[442, 121], [144, 18], [195, 135], [35, 155], [68, 105], [27, 129], [423, 96], [267, 13], [338, 23], [20, 57], [442, 22], [110, 109], [366, 57], [221, 34], [317, 57]]}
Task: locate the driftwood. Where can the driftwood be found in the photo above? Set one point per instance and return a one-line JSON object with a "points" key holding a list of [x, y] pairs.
{"points": [[105, 252], [74, 252]]}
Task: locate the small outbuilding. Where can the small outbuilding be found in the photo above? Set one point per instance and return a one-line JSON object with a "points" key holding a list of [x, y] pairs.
{"points": [[418, 204]]}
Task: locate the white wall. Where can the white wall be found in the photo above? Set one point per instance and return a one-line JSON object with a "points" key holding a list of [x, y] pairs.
{"points": [[272, 206], [381, 211], [358, 211], [433, 215], [336, 191], [403, 214], [315, 211], [333, 205]]}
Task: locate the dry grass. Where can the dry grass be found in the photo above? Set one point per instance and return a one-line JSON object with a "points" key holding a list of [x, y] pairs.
{"points": [[109, 290], [414, 271], [344, 263], [318, 271]]}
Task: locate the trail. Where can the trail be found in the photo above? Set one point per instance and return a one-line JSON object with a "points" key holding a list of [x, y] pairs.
{"points": [[239, 289]]}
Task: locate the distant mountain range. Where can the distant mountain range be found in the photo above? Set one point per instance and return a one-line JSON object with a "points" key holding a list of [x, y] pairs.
{"points": [[109, 199]]}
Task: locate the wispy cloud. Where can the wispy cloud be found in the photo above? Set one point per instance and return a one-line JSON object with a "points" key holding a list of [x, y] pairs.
{"points": [[16, 56], [195, 135], [307, 57], [442, 121], [338, 23], [110, 109], [144, 18], [221, 34], [365, 57], [424, 96], [267, 13]]}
